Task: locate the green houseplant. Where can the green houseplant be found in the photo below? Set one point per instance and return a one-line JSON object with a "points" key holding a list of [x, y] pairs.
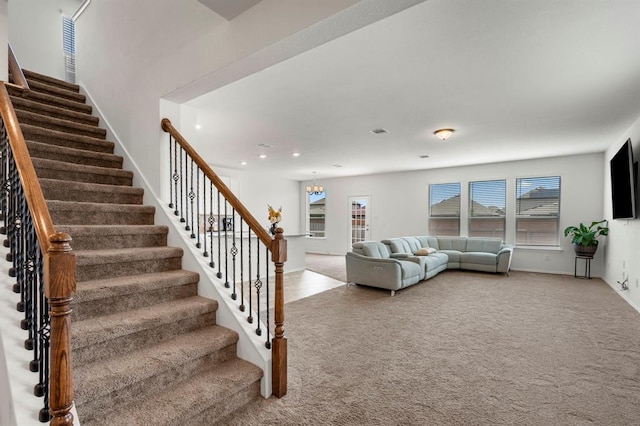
{"points": [[585, 239]]}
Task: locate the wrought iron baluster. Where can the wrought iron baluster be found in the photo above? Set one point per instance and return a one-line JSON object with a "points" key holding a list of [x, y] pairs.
{"points": [[241, 267], [211, 221], [198, 214], [234, 253], [250, 317], [258, 286], [226, 245], [192, 196], [219, 274], [181, 198], [176, 177], [170, 172]]}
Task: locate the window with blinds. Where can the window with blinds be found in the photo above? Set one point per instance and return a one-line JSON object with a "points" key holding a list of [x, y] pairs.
{"points": [[316, 208], [69, 49], [444, 209], [487, 201], [538, 211]]}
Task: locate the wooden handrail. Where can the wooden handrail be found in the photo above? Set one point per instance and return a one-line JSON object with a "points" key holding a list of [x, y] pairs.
{"points": [[59, 270], [278, 248], [15, 70], [255, 226]]}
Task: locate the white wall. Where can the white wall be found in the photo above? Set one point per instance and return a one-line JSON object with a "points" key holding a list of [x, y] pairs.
{"points": [[35, 33], [399, 205], [4, 38], [622, 251]]}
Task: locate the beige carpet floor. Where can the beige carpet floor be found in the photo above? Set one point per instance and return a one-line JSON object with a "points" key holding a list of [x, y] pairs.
{"points": [[462, 348], [327, 264]]}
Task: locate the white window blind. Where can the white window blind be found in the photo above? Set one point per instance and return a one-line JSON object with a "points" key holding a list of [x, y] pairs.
{"points": [[444, 209], [69, 49], [487, 201], [538, 211]]}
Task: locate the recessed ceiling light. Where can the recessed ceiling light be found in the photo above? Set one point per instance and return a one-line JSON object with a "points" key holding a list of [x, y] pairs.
{"points": [[243, 163], [198, 127], [379, 131], [296, 154], [263, 156]]}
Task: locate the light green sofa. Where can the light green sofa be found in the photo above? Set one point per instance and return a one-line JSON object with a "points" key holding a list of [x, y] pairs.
{"points": [[396, 263], [370, 263]]}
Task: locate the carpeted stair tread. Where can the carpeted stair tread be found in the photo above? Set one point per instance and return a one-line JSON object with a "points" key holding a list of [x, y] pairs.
{"points": [[110, 335], [60, 170], [200, 401], [32, 75], [115, 376], [26, 104], [50, 99], [73, 155], [82, 213], [94, 264], [108, 295], [64, 190], [55, 137], [62, 125], [94, 237], [60, 92]]}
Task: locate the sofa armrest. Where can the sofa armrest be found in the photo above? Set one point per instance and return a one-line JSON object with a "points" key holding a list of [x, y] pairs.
{"points": [[375, 272], [503, 263]]}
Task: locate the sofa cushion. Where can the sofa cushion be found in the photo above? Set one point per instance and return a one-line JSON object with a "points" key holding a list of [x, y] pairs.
{"points": [[398, 245], [373, 249], [412, 243], [452, 243], [487, 245], [479, 258], [428, 242], [453, 256]]}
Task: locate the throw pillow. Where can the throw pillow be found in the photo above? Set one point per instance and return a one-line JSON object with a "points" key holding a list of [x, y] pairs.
{"points": [[425, 251]]}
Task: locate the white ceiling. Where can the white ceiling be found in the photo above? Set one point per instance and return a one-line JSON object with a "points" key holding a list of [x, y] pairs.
{"points": [[515, 79]]}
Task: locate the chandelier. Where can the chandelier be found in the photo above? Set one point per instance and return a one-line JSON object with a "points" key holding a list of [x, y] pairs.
{"points": [[315, 189]]}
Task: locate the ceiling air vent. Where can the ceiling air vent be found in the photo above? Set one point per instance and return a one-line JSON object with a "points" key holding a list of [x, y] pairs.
{"points": [[424, 156], [379, 131]]}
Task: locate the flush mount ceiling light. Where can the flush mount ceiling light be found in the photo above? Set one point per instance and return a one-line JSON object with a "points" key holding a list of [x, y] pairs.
{"points": [[315, 189], [443, 134]]}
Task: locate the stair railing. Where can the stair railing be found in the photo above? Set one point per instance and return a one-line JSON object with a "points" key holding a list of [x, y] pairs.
{"points": [[232, 239], [16, 72], [44, 267]]}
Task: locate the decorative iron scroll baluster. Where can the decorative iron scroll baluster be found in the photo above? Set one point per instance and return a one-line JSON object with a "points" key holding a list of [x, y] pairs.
{"points": [[176, 178], [198, 245], [249, 261], [234, 253], [181, 176], [219, 274], [226, 225], [223, 224], [171, 144], [241, 307], [258, 285], [192, 196]]}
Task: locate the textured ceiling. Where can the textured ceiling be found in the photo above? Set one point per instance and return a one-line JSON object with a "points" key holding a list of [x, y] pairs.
{"points": [[515, 79]]}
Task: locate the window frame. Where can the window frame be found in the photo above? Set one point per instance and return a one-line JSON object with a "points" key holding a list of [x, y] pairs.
{"points": [[533, 218], [488, 217], [436, 218], [310, 233]]}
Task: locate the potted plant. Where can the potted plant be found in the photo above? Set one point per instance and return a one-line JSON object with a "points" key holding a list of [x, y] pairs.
{"points": [[585, 239]]}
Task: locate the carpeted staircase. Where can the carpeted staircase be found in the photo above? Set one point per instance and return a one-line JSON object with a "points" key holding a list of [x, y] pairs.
{"points": [[146, 347]]}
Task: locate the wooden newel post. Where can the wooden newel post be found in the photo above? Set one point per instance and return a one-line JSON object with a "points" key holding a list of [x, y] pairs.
{"points": [[279, 342], [60, 284]]}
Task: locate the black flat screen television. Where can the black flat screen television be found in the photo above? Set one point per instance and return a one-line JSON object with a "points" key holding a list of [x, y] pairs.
{"points": [[623, 182]]}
